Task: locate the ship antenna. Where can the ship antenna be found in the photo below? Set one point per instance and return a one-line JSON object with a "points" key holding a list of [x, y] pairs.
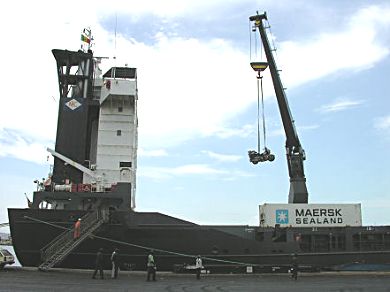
{"points": [[116, 24]]}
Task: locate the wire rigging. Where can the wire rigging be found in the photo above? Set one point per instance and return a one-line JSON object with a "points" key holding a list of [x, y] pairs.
{"points": [[257, 156], [255, 47], [141, 246], [260, 90], [258, 112], [263, 113], [250, 41]]}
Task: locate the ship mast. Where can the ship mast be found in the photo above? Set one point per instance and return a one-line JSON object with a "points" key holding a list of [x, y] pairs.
{"points": [[86, 39]]}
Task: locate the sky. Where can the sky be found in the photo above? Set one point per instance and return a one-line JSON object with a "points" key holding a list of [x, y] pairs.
{"points": [[198, 100]]}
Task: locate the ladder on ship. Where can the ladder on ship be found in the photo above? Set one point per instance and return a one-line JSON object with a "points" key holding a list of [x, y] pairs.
{"points": [[56, 250]]}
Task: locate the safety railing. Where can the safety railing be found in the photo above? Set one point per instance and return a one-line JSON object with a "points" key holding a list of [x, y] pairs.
{"points": [[66, 238]]}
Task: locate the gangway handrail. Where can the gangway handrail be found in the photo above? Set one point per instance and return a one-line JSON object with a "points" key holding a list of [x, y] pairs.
{"points": [[64, 238]]}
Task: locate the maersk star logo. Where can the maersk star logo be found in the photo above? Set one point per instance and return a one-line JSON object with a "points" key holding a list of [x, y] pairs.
{"points": [[73, 104], [281, 216]]}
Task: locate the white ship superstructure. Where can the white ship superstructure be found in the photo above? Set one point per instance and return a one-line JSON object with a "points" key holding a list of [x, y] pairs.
{"points": [[115, 134], [97, 134]]}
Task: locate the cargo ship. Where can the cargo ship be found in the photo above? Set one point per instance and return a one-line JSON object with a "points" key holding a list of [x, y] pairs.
{"points": [[94, 179]]}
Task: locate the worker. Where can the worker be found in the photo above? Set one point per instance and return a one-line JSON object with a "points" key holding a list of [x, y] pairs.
{"points": [[99, 264], [77, 228], [198, 266], [115, 258], [151, 266], [294, 267]]}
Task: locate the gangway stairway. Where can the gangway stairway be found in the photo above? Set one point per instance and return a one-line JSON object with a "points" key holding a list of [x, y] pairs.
{"points": [[56, 250]]}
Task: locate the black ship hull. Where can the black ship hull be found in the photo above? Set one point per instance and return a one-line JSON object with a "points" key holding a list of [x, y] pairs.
{"points": [[176, 242]]}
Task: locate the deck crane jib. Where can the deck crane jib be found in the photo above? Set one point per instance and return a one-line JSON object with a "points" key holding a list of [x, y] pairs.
{"points": [[294, 151]]}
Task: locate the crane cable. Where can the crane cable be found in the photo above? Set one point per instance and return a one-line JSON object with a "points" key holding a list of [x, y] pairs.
{"points": [[260, 89], [263, 113], [250, 41], [258, 112]]}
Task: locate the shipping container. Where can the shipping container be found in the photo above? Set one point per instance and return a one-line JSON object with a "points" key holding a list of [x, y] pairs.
{"points": [[310, 215]]}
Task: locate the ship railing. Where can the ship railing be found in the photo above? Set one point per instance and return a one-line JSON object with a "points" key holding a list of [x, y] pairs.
{"points": [[66, 238]]}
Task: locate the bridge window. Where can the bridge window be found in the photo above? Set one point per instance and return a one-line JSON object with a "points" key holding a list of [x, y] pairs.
{"points": [[125, 164]]}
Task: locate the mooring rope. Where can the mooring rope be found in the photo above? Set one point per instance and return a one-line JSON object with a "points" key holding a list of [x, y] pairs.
{"points": [[144, 247]]}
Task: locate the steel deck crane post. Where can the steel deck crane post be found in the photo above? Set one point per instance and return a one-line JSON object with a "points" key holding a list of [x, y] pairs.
{"points": [[294, 151]]}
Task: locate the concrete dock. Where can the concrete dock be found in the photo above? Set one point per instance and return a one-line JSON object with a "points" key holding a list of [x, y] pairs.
{"points": [[30, 279]]}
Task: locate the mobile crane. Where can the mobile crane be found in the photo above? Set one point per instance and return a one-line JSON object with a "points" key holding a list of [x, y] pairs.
{"points": [[294, 151]]}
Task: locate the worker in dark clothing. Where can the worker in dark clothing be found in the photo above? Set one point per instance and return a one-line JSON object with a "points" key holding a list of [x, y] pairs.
{"points": [[151, 266], [294, 267], [115, 260], [99, 264]]}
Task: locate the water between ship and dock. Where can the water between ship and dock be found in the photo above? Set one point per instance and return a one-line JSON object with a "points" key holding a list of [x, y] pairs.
{"points": [[18, 278]]}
